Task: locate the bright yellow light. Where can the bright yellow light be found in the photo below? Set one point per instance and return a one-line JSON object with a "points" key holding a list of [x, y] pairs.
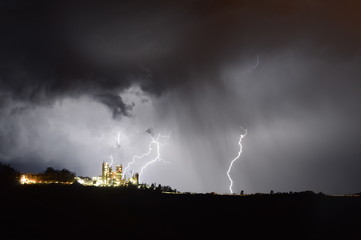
{"points": [[26, 180]]}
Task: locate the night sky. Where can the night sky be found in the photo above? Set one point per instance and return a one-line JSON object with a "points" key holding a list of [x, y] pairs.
{"points": [[81, 81]]}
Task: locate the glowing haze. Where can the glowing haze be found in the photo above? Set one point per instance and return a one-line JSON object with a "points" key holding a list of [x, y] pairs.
{"points": [[83, 81]]}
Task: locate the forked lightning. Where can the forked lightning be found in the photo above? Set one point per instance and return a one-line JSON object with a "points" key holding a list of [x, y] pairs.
{"points": [[154, 142]]}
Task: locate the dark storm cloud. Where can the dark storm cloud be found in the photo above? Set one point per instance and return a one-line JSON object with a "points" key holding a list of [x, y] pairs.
{"points": [[115, 103], [38, 64], [150, 131], [57, 48]]}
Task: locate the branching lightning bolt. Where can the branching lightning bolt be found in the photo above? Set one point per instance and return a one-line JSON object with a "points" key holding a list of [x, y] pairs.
{"points": [[138, 157], [154, 141], [238, 155]]}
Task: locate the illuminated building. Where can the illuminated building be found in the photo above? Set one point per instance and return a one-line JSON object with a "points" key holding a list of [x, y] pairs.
{"points": [[118, 174], [29, 178], [135, 178], [109, 177], [105, 172]]}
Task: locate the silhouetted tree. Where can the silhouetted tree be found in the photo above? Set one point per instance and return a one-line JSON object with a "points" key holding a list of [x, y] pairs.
{"points": [[64, 175], [167, 189], [143, 186], [320, 194], [271, 192], [9, 177], [49, 171], [242, 192], [159, 188]]}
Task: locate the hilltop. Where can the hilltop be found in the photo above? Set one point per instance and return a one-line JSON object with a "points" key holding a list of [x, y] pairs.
{"points": [[60, 211]]}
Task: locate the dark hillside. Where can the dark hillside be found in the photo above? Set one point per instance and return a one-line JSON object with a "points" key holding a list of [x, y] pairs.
{"points": [[68, 212]]}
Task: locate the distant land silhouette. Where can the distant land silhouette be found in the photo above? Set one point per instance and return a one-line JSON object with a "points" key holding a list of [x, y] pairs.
{"points": [[57, 211]]}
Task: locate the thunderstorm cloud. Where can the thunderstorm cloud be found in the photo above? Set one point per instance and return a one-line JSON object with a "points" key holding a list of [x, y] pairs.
{"points": [[79, 77]]}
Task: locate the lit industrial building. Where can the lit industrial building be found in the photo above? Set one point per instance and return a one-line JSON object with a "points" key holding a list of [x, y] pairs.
{"points": [[109, 177]]}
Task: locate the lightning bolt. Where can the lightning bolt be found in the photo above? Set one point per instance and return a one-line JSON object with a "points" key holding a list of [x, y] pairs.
{"points": [[138, 157], [118, 139], [117, 145], [238, 155], [154, 142], [254, 66], [111, 159]]}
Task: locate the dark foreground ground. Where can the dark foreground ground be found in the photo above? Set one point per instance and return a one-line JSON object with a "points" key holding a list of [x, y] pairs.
{"points": [[71, 212]]}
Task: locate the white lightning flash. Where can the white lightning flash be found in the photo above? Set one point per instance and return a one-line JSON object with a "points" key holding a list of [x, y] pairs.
{"points": [[239, 154], [111, 159], [254, 66], [135, 157], [154, 142], [119, 137]]}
